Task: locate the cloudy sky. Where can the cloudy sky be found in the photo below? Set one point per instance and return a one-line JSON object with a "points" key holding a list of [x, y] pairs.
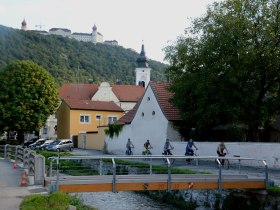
{"points": [[156, 22]]}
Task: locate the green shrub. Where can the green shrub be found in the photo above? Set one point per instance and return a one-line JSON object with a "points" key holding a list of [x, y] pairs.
{"points": [[59, 201], [54, 201], [35, 202], [274, 190]]}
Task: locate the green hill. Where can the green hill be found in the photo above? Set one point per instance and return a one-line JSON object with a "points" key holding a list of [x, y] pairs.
{"points": [[69, 60]]}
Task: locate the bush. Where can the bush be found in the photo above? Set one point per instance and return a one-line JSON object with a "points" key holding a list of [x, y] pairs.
{"points": [[54, 201]]}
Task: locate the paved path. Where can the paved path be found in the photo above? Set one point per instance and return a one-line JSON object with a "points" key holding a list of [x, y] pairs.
{"points": [[11, 194]]}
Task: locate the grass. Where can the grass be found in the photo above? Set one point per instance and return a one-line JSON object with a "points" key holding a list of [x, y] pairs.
{"points": [[274, 190], [54, 201]]}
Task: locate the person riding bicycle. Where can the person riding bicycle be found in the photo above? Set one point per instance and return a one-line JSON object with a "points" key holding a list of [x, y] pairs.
{"points": [[129, 145], [189, 149], [167, 148], [147, 146], [220, 151]]}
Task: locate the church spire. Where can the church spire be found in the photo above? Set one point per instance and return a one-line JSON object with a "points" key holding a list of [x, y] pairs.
{"points": [[142, 59]]}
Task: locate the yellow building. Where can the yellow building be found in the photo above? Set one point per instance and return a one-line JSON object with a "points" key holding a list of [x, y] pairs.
{"points": [[81, 116]]}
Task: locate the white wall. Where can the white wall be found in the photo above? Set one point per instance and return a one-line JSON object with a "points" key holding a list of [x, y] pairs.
{"points": [[152, 127], [268, 151]]}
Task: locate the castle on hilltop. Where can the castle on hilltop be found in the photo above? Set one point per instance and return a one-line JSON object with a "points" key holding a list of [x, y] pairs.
{"points": [[94, 36]]}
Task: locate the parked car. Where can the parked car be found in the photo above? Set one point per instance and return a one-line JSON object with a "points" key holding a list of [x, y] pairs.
{"points": [[60, 145], [37, 144], [47, 142], [29, 142]]}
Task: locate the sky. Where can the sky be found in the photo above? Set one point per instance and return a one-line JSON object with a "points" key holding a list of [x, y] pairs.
{"points": [[156, 23]]}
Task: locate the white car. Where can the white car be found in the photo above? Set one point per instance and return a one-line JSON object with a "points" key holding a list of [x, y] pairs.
{"points": [[47, 142]]}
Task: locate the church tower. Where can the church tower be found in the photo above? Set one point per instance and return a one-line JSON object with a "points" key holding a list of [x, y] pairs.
{"points": [[142, 70], [23, 25], [94, 34]]}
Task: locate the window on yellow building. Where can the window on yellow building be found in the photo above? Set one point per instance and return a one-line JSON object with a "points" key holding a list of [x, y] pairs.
{"points": [[84, 118], [112, 119]]}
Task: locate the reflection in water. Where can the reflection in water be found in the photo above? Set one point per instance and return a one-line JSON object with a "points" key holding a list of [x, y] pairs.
{"points": [[122, 201]]}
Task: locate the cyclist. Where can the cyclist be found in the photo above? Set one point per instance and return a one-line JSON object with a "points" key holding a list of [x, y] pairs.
{"points": [[129, 145], [147, 146], [189, 149], [167, 148], [221, 151]]}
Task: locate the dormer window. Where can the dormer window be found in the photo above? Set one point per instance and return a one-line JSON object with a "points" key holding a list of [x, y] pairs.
{"points": [[142, 114], [153, 113], [148, 99]]}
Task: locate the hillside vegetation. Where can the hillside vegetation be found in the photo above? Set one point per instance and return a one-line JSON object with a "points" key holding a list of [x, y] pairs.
{"points": [[69, 60]]}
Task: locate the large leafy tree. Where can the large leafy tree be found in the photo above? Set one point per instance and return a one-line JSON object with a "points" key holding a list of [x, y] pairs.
{"points": [[226, 69], [28, 95]]}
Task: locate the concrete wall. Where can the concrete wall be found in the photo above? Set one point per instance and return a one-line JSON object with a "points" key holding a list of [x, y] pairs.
{"points": [[268, 151], [92, 140]]}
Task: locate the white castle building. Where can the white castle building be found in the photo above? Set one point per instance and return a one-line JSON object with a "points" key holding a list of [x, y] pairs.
{"points": [[94, 36]]}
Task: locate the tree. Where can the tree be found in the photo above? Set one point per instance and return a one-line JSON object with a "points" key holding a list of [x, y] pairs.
{"points": [[226, 69], [28, 96]]}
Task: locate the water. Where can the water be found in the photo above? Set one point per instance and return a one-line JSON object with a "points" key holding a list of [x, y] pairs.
{"points": [[122, 201]]}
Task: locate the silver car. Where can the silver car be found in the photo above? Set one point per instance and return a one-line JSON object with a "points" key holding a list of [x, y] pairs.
{"points": [[60, 145]]}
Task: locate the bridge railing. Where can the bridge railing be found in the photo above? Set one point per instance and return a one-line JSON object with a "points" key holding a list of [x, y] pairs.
{"points": [[27, 159], [109, 164]]}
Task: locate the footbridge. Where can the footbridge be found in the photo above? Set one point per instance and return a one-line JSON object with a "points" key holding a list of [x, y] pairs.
{"points": [[116, 173], [135, 173]]}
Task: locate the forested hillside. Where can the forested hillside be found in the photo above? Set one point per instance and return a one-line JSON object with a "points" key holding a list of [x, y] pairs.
{"points": [[69, 60]]}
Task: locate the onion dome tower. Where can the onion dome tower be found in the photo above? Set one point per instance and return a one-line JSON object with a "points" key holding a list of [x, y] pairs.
{"points": [[23, 25], [94, 34], [142, 70]]}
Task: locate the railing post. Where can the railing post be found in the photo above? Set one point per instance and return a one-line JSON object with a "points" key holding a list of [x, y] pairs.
{"points": [[50, 169], [100, 166], [6, 151], [151, 167], [266, 174], [16, 153], [220, 176], [239, 165], [169, 174], [57, 173], [114, 175]]}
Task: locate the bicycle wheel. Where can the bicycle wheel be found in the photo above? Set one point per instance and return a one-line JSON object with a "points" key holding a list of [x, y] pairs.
{"points": [[226, 164]]}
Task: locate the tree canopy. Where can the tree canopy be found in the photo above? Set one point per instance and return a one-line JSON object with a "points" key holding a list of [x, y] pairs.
{"points": [[226, 69], [28, 96]]}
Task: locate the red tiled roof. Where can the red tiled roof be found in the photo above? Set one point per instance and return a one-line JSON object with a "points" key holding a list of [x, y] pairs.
{"points": [[125, 93], [128, 93], [163, 96], [128, 117], [93, 105], [78, 91]]}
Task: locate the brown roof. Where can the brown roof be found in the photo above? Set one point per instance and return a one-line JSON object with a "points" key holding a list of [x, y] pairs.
{"points": [[163, 96], [93, 105], [128, 93], [125, 93], [78, 91], [128, 117]]}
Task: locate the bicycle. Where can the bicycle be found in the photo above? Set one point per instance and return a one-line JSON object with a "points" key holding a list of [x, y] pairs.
{"points": [[171, 160], [147, 152], [193, 153], [224, 162], [129, 152]]}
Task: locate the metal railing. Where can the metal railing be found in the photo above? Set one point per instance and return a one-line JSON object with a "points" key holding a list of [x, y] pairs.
{"points": [[28, 160], [99, 162]]}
